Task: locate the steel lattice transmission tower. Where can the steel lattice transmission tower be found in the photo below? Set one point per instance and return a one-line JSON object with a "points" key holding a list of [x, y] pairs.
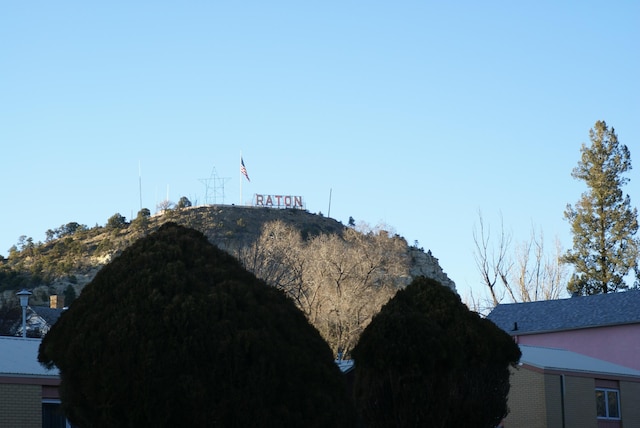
{"points": [[214, 188]]}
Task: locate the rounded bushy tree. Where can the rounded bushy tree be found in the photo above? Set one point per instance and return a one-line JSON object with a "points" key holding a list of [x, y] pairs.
{"points": [[184, 202], [174, 332], [116, 221], [426, 360]]}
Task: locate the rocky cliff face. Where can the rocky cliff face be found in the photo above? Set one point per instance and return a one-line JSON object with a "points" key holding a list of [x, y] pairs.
{"points": [[426, 264]]}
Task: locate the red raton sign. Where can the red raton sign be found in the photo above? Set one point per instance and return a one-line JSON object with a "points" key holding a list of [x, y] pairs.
{"points": [[278, 201]]}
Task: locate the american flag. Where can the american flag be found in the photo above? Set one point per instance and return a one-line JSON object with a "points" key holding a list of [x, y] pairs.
{"points": [[243, 169]]}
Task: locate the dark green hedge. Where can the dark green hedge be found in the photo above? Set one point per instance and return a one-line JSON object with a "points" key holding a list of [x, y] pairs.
{"points": [[175, 332], [426, 360]]}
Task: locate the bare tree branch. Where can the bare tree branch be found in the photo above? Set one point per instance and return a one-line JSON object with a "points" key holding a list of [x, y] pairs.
{"points": [[527, 275]]}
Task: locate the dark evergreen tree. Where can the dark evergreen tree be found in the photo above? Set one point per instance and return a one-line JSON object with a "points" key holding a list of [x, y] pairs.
{"points": [[184, 202], [70, 229], [144, 213], [426, 360], [142, 220], [69, 295], [116, 221], [603, 223], [10, 317], [174, 332]]}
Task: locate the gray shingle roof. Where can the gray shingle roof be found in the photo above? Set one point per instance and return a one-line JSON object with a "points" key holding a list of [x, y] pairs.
{"points": [[563, 360], [568, 314], [50, 315]]}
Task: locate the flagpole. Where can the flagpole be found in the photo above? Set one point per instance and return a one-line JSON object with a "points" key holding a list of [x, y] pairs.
{"points": [[243, 171]]}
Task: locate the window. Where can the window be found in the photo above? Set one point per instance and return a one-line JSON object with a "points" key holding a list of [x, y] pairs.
{"points": [[608, 403], [52, 416]]}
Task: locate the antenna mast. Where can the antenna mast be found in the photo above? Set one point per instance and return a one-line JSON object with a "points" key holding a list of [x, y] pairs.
{"points": [[140, 183]]}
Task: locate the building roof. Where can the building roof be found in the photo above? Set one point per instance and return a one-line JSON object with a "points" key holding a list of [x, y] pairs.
{"points": [[19, 357], [50, 315], [568, 314], [567, 361]]}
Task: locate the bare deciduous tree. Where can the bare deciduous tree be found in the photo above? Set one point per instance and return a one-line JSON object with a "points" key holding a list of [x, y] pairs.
{"points": [[492, 259], [538, 274], [339, 282], [353, 277], [276, 257], [527, 274], [164, 205]]}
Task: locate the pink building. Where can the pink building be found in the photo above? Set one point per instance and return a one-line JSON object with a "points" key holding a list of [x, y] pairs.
{"points": [[603, 326], [581, 361]]}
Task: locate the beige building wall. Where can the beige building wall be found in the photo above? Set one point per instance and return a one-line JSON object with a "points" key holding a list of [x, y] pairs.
{"points": [[527, 407], [553, 398], [20, 406], [535, 401], [580, 402], [630, 404]]}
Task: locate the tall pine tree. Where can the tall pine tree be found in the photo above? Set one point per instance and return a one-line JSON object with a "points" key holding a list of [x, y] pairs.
{"points": [[603, 223]]}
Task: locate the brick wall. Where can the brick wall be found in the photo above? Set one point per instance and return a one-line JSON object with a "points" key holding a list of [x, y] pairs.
{"points": [[553, 398], [580, 402], [629, 400], [526, 400], [20, 406], [535, 401]]}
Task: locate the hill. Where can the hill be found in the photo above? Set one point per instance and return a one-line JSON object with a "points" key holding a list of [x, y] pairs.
{"points": [[323, 265], [79, 252]]}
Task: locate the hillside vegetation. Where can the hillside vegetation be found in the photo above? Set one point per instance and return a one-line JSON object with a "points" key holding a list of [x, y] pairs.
{"points": [[339, 276]]}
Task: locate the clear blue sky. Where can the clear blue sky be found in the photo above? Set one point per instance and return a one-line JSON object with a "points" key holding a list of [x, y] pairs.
{"points": [[417, 114]]}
